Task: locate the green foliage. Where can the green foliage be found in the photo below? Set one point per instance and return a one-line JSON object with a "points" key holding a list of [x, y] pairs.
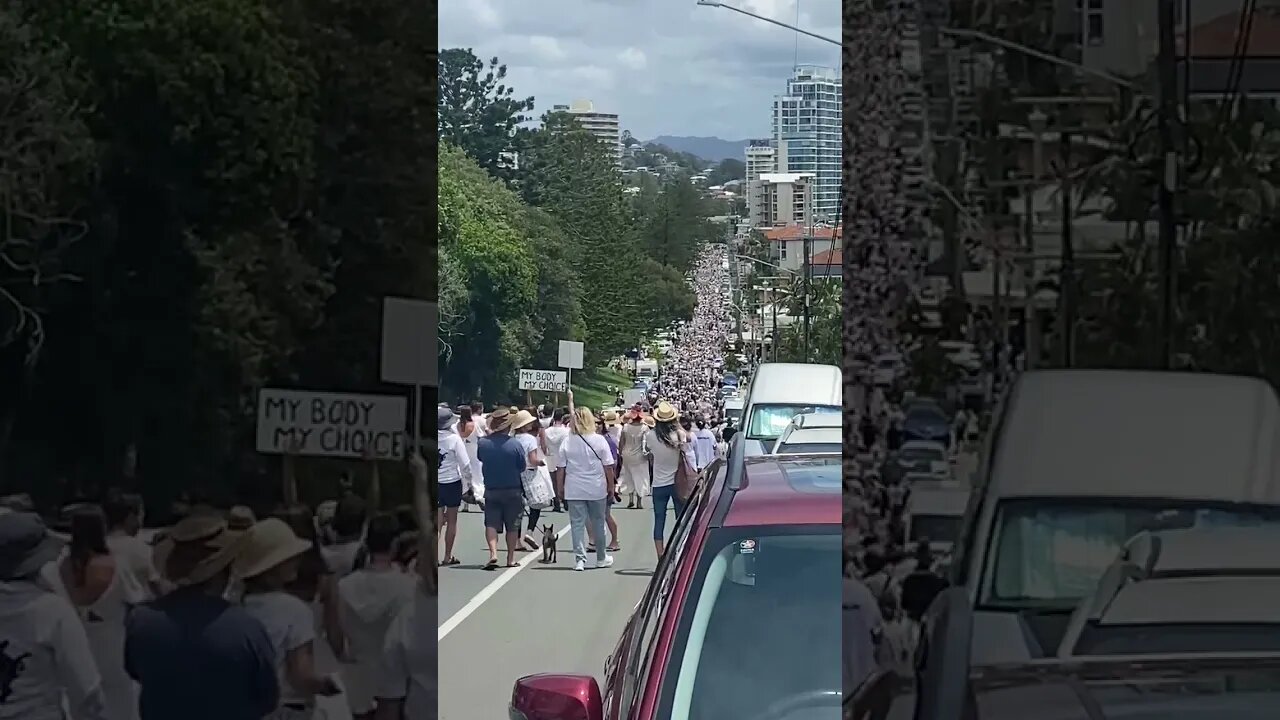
{"points": [[726, 170], [250, 180], [478, 111]]}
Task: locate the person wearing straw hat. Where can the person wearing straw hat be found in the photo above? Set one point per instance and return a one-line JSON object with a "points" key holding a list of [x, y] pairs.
{"points": [[195, 655], [44, 645], [634, 479], [267, 564], [669, 446], [504, 461]]}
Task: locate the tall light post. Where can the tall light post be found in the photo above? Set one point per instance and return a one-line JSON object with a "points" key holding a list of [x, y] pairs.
{"points": [[802, 31]]}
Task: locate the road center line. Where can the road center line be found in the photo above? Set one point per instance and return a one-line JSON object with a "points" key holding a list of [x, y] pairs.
{"points": [[489, 591]]}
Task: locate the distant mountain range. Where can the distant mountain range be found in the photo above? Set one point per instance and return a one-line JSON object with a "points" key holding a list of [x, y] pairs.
{"points": [[711, 149]]}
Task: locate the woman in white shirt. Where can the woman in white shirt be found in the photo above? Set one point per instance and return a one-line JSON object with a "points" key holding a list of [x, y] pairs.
{"points": [[668, 445], [268, 563], [455, 466], [585, 480], [469, 431], [527, 431]]}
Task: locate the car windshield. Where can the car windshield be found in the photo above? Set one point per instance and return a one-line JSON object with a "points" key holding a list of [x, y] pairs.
{"points": [[935, 528], [761, 626], [1156, 639], [768, 421], [920, 454], [1050, 554]]}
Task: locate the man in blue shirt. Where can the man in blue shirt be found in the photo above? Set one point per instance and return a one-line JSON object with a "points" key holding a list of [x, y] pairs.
{"points": [[194, 655], [504, 462]]}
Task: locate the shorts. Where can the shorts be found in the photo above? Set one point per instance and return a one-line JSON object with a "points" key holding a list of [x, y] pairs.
{"points": [[502, 509], [450, 494]]}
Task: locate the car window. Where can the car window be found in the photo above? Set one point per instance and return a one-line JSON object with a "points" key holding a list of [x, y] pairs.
{"points": [[768, 421], [800, 448], [652, 611], [761, 626]]}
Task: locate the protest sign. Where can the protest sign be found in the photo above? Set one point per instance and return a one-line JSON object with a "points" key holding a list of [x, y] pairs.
{"points": [[331, 424], [544, 380]]}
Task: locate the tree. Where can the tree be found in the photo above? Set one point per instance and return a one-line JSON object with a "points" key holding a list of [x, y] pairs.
{"points": [[478, 111], [726, 170], [46, 158]]}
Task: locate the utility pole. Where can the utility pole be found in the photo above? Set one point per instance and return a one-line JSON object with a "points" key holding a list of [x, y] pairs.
{"points": [[1168, 77], [1031, 312], [807, 272], [1067, 274]]}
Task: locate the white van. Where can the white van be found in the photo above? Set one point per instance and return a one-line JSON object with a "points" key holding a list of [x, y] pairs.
{"points": [[733, 407], [779, 392], [936, 512], [1080, 461]]}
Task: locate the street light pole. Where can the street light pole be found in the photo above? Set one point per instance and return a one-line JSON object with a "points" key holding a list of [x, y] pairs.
{"points": [[716, 3], [1168, 76]]}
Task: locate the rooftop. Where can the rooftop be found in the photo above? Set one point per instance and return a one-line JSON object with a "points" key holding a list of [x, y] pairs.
{"points": [[798, 232], [784, 177], [1217, 37]]}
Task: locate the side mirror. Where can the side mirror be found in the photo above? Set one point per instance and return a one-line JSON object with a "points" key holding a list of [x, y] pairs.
{"points": [[942, 657], [557, 697]]}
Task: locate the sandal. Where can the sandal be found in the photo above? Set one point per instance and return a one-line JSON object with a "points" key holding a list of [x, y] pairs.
{"points": [[491, 565], [514, 564], [614, 548], [452, 561]]}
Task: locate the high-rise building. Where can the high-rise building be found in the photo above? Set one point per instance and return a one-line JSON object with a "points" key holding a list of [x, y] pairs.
{"points": [[760, 159], [603, 125], [806, 134]]}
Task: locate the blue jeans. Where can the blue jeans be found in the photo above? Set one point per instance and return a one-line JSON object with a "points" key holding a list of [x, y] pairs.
{"points": [[660, 497], [580, 513]]}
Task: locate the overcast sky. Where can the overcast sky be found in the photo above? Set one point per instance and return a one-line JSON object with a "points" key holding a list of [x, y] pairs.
{"points": [[667, 67]]}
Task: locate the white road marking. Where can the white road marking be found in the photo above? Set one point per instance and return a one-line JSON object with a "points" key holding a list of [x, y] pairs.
{"points": [[489, 591]]}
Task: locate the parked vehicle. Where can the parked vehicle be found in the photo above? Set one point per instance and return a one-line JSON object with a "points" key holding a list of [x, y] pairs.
{"points": [[742, 616], [780, 391]]}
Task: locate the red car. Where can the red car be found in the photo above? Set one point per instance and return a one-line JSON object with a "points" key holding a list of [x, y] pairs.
{"points": [[742, 618]]}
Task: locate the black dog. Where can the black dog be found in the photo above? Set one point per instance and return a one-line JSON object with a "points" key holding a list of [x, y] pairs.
{"points": [[548, 543]]}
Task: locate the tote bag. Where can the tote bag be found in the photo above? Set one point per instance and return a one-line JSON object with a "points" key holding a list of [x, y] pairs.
{"points": [[538, 493]]}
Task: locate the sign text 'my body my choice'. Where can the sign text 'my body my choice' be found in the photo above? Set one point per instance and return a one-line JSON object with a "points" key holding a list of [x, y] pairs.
{"points": [[331, 424]]}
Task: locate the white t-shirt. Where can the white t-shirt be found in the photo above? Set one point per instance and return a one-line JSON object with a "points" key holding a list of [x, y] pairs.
{"points": [[664, 458], [554, 436], [369, 601], [455, 463], [584, 458], [134, 554], [409, 658], [528, 443], [341, 558], [290, 624], [42, 632]]}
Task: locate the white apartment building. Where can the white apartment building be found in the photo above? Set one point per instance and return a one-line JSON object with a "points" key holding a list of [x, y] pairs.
{"points": [[761, 158], [806, 134], [603, 125], [784, 199]]}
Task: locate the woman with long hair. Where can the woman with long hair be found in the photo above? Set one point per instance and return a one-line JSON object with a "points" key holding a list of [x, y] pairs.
{"points": [[102, 590], [585, 479], [668, 446], [469, 431]]}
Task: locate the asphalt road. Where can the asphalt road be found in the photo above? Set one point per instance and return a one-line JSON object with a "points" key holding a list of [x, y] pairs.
{"points": [[497, 626]]}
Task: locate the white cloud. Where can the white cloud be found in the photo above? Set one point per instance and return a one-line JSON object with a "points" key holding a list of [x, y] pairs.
{"points": [[484, 13], [546, 48], [633, 59]]}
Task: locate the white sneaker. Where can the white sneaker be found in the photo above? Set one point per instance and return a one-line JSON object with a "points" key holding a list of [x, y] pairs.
{"points": [[607, 562], [579, 566]]}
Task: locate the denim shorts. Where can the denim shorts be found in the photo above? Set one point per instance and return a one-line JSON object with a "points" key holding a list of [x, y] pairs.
{"points": [[502, 509]]}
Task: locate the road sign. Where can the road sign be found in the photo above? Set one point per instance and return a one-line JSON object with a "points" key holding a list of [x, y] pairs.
{"points": [[570, 355], [409, 339], [331, 424], [544, 380]]}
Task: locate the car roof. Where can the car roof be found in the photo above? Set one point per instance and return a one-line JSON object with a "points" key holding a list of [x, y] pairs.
{"points": [[1207, 550], [1138, 434], [949, 501], [824, 435], [787, 490], [1207, 600], [922, 445], [796, 384]]}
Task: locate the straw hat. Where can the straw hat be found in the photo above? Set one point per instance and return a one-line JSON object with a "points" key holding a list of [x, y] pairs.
{"points": [[522, 419], [499, 419], [203, 542], [648, 420], [268, 544], [665, 412], [610, 418], [240, 519]]}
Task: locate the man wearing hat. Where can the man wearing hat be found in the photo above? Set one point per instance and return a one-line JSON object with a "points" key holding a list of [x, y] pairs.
{"points": [[195, 655], [504, 461], [42, 640]]}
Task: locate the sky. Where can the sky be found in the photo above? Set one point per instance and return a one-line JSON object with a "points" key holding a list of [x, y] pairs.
{"points": [[666, 67]]}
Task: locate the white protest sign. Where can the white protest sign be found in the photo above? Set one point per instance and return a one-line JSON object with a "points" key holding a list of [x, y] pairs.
{"points": [[331, 424], [409, 339], [545, 380], [570, 355]]}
